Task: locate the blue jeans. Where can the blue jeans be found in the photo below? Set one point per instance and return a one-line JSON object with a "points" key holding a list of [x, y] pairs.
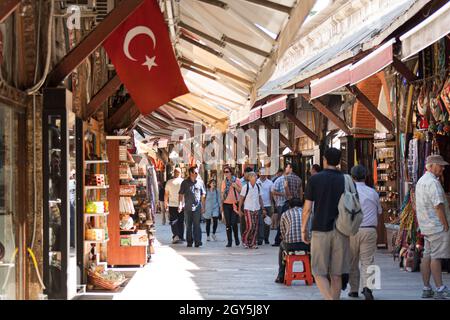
{"points": [[193, 230]]}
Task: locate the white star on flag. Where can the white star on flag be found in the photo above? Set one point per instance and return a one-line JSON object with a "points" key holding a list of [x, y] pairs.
{"points": [[150, 62]]}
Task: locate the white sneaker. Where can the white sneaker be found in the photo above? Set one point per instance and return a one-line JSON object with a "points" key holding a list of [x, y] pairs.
{"points": [[214, 237], [208, 238]]}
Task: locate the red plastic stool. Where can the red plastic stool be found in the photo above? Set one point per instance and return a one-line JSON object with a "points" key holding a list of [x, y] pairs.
{"points": [[290, 275]]}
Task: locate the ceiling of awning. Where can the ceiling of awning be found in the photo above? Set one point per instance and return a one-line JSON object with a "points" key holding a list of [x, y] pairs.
{"points": [[226, 50]]}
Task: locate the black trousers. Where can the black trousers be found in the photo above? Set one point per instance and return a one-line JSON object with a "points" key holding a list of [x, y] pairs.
{"points": [[296, 246], [231, 220], [208, 225], [176, 222]]}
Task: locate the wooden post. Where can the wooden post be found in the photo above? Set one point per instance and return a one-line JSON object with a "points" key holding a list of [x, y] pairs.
{"points": [[328, 113]]}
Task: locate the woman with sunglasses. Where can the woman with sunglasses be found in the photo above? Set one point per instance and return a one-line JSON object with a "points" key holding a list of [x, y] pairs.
{"points": [[231, 187]]}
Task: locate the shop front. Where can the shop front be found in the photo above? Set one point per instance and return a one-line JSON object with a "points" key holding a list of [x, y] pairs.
{"points": [[13, 255]]}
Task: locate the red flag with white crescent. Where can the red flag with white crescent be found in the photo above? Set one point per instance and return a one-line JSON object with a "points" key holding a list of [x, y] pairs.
{"points": [[142, 54]]}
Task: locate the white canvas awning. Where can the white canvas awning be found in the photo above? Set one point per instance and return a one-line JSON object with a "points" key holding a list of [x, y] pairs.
{"points": [[426, 33]]}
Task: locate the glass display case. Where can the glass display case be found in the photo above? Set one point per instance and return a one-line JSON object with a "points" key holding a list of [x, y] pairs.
{"points": [[59, 126]]}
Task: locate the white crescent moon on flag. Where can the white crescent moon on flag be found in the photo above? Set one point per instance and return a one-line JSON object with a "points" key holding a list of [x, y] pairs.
{"points": [[133, 33]]}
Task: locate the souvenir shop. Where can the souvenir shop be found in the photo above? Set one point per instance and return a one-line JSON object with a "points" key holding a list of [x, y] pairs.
{"points": [[101, 206], [424, 108]]}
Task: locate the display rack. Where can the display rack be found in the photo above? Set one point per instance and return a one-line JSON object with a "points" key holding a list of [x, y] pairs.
{"points": [[95, 211], [386, 184], [124, 247]]}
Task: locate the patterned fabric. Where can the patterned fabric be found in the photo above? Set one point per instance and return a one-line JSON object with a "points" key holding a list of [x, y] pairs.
{"points": [[429, 194], [294, 184], [412, 161], [228, 186], [278, 186], [231, 196], [291, 225], [251, 228]]}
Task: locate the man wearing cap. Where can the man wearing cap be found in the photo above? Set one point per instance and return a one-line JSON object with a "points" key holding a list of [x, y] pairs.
{"points": [[433, 216], [363, 245], [176, 219]]}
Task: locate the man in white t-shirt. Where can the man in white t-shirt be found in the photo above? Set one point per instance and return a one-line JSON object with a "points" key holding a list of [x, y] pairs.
{"points": [[171, 203], [433, 217], [266, 194]]}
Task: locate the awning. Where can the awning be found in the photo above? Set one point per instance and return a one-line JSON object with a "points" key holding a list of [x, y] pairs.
{"points": [[330, 82], [255, 114], [373, 63], [426, 33], [354, 73], [273, 107], [298, 68]]}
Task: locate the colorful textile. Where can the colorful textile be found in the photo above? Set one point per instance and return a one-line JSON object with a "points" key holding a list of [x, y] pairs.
{"points": [[251, 228]]}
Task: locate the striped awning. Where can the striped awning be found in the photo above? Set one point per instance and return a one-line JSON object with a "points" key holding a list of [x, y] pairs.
{"points": [[356, 72], [274, 106]]}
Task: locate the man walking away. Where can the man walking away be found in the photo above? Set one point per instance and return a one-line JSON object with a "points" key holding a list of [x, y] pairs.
{"points": [[293, 183], [176, 219], [433, 216], [192, 191], [330, 249], [364, 244], [291, 226], [266, 194]]}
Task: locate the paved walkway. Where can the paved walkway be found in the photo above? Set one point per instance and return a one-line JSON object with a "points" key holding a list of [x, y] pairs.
{"points": [[215, 272]]}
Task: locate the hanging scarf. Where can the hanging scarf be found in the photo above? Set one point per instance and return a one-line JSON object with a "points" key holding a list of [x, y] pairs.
{"points": [[228, 186]]}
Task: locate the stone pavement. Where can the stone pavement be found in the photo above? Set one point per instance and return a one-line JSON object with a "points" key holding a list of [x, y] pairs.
{"points": [[215, 272]]}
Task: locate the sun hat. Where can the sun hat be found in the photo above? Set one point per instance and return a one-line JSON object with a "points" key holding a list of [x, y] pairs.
{"points": [[268, 220], [436, 159]]}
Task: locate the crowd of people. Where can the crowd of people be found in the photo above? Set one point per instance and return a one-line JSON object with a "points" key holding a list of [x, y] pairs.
{"points": [[306, 221]]}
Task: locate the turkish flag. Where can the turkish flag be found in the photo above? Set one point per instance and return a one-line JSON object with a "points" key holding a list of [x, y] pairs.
{"points": [[142, 54]]}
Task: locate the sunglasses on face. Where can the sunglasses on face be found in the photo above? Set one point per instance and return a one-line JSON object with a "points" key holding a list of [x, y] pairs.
{"points": [[227, 171]]}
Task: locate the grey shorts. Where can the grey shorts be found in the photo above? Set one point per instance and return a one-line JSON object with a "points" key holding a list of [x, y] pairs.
{"points": [[330, 253], [437, 246]]}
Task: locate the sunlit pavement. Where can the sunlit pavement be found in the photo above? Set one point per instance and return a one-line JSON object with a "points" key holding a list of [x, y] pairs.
{"points": [[215, 272]]}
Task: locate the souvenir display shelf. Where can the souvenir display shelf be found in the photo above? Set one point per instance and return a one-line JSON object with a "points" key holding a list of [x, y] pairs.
{"points": [[126, 247], [96, 206], [386, 184]]}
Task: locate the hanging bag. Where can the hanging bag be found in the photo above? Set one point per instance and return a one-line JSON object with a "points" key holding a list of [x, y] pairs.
{"points": [[350, 214]]}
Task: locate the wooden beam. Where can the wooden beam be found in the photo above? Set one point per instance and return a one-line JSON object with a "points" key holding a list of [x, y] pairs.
{"points": [[101, 96], [215, 71], [388, 124], [302, 126], [283, 139], [225, 39], [404, 70], [7, 7], [330, 115], [117, 117], [92, 41], [271, 5]]}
